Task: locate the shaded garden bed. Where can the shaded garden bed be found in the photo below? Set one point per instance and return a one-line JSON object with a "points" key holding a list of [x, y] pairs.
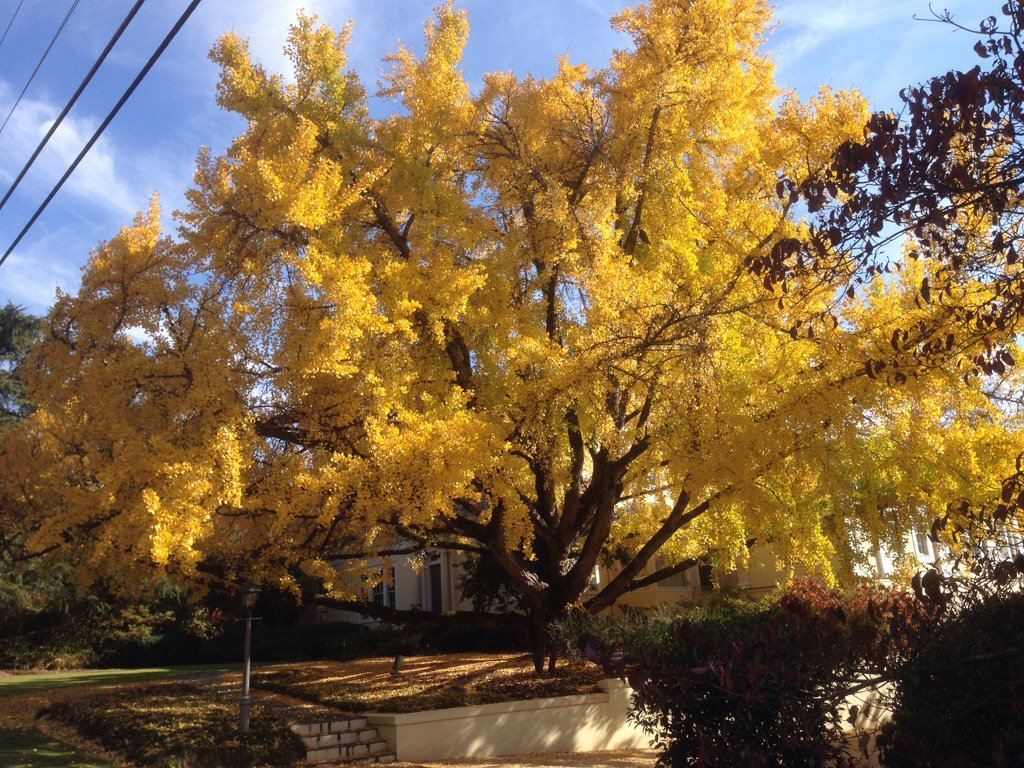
{"points": [[425, 682], [177, 725]]}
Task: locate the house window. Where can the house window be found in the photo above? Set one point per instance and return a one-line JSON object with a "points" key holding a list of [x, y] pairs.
{"points": [[676, 580], [384, 590], [707, 577], [431, 592], [923, 545]]}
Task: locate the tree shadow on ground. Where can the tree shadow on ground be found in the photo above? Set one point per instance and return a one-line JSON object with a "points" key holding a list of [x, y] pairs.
{"points": [[11, 684], [425, 682]]}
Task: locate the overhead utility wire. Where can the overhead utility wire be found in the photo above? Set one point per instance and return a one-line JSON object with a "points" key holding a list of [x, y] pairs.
{"points": [[71, 102], [106, 121], [11, 22], [40, 63]]}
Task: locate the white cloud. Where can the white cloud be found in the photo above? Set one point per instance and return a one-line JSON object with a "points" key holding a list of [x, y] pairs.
{"points": [[265, 23], [806, 25], [97, 180], [33, 273], [104, 192], [877, 46]]}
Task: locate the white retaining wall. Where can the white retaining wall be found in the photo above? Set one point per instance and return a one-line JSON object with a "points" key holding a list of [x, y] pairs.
{"points": [[583, 723]]}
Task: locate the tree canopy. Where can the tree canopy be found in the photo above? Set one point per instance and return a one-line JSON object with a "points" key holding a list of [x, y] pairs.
{"points": [[941, 176], [18, 331], [938, 181], [520, 321]]}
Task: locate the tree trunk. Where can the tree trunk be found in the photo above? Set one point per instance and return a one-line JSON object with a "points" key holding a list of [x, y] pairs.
{"points": [[540, 639], [543, 646]]}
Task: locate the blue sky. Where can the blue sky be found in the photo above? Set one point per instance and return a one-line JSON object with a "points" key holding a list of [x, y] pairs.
{"points": [[873, 45]]}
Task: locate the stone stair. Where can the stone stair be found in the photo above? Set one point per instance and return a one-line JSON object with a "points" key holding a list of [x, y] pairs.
{"points": [[330, 736], [340, 737]]}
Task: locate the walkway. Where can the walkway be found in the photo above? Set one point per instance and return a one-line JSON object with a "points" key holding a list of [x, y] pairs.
{"points": [[630, 758]]}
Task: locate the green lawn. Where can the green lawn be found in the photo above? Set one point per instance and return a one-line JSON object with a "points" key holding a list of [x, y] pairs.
{"points": [[34, 681], [32, 749]]}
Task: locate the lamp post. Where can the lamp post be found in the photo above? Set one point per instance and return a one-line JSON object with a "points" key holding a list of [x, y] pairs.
{"points": [[249, 594]]}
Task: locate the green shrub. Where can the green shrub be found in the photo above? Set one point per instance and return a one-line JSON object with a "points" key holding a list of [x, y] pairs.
{"points": [[45, 623], [636, 630], [177, 726]]}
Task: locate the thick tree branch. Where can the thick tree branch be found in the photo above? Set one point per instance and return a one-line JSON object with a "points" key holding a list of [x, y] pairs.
{"points": [[455, 346], [528, 581], [679, 517], [629, 242], [663, 573]]}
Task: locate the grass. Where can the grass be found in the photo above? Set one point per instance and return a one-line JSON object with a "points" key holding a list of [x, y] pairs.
{"points": [[37, 681], [32, 749], [426, 682], [171, 724]]}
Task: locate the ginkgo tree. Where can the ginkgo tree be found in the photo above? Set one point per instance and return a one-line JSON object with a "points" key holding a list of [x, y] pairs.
{"points": [[518, 322]]}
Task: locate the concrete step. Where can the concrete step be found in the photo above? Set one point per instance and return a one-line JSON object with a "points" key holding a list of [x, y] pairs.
{"points": [[365, 752], [316, 725], [324, 740], [336, 739]]}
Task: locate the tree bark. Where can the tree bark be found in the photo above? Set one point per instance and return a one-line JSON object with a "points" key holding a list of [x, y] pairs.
{"points": [[540, 641]]}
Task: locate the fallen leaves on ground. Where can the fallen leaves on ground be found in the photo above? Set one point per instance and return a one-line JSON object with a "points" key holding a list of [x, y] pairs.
{"points": [[425, 682]]}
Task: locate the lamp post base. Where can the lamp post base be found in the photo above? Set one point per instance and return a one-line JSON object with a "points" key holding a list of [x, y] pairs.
{"points": [[243, 714]]}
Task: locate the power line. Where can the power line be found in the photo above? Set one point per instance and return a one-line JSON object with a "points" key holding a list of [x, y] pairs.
{"points": [[40, 63], [11, 22], [106, 121], [71, 102]]}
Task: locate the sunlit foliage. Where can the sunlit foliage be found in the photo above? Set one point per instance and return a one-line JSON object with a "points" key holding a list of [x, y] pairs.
{"points": [[519, 320]]}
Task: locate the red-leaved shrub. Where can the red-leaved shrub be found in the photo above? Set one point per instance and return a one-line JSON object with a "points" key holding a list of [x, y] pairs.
{"points": [[735, 686]]}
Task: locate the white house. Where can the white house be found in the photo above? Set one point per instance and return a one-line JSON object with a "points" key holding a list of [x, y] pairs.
{"points": [[431, 583]]}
